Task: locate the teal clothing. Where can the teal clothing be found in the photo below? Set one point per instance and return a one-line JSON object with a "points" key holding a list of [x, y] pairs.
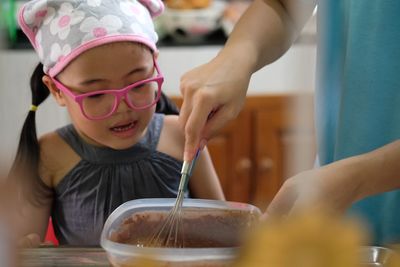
{"points": [[358, 94]]}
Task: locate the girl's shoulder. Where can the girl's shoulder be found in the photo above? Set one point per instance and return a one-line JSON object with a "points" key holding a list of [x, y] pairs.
{"points": [[56, 158], [172, 138]]}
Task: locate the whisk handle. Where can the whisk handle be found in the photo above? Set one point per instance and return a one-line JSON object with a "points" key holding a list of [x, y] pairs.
{"points": [[187, 169], [191, 165]]}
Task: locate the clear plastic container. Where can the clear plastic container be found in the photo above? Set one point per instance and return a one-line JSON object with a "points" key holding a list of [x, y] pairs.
{"points": [[130, 254], [372, 256]]}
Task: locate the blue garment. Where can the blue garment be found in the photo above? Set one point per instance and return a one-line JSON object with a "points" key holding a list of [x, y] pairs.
{"points": [[105, 178], [358, 94]]}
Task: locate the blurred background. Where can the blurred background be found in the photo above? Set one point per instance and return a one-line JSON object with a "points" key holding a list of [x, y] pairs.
{"points": [[273, 137]]}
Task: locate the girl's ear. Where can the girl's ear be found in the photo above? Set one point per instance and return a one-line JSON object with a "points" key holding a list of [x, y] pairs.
{"points": [[55, 92]]}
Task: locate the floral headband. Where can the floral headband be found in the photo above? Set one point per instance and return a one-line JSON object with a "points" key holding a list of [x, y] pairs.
{"points": [[60, 30]]}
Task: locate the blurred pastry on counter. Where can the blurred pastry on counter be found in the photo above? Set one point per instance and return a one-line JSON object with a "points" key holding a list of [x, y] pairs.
{"points": [[233, 11], [187, 4], [190, 26], [313, 238]]}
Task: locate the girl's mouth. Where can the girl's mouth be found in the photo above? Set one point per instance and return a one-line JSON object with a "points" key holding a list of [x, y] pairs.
{"points": [[124, 127]]}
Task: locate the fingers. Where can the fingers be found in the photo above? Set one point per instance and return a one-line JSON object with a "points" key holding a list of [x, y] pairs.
{"points": [[205, 119], [294, 198], [264, 216], [186, 108], [187, 91], [29, 241], [197, 108], [282, 203], [195, 124]]}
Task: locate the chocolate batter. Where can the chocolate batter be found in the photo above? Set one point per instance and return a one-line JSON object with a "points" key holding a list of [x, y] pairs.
{"points": [[200, 228]]}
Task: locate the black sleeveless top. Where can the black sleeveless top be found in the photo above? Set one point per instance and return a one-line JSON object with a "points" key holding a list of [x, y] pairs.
{"points": [[105, 178]]}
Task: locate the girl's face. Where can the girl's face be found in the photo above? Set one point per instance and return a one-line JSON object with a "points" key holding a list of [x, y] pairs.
{"points": [[110, 66]]}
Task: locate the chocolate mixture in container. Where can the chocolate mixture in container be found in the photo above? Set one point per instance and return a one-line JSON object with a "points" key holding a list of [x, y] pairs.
{"points": [[201, 227]]}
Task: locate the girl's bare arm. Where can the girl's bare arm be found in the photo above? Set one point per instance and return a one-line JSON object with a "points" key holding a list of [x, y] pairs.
{"points": [[204, 182]]}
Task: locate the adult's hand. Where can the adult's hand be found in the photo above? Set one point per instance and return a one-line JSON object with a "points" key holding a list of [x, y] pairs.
{"points": [[213, 94], [329, 187], [337, 185]]}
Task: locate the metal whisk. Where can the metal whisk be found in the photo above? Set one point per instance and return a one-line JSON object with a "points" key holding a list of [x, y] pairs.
{"points": [[170, 234]]}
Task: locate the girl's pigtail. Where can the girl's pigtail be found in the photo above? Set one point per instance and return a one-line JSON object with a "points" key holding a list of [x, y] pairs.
{"points": [[25, 168], [166, 106]]}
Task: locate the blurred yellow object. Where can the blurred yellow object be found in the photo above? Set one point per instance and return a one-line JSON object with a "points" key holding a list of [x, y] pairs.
{"points": [[187, 4], [310, 239], [394, 261], [143, 262]]}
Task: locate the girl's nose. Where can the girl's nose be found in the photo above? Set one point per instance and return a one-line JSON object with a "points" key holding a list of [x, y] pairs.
{"points": [[122, 106]]}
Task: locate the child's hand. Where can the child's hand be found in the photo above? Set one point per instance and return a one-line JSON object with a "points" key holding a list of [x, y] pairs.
{"points": [[29, 241]]}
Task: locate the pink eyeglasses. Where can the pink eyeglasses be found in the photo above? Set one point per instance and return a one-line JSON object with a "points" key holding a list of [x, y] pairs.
{"points": [[98, 105]]}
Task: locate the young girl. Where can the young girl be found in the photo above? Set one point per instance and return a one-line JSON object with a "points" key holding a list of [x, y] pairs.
{"points": [[99, 60]]}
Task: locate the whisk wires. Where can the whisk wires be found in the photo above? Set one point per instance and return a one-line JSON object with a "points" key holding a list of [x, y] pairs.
{"points": [[171, 232]]}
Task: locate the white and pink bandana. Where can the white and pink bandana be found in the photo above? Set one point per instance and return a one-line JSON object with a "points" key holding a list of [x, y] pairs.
{"points": [[60, 30]]}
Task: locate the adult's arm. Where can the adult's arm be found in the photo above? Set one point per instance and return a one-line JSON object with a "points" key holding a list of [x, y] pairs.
{"points": [[337, 185], [263, 34]]}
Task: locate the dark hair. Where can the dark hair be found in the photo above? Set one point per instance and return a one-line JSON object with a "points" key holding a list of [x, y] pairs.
{"points": [[166, 106], [25, 168]]}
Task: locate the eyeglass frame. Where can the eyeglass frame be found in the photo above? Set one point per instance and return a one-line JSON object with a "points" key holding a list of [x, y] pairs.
{"points": [[120, 94]]}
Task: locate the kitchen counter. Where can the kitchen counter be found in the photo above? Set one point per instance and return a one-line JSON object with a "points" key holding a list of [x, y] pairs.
{"points": [[84, 257], [63, 257]]}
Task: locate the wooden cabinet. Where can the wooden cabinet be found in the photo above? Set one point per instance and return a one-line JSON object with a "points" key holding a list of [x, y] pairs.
{"points": [[282, 141], [231, 152], [271, 140]]}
